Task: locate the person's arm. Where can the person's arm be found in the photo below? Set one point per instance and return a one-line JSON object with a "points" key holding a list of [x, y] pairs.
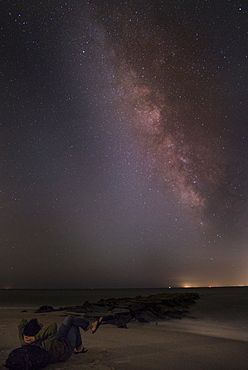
{"points": [[47, 335], [21, 326]]}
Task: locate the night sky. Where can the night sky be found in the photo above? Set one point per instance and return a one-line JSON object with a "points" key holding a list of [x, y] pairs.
{"points": [[124, 143]]}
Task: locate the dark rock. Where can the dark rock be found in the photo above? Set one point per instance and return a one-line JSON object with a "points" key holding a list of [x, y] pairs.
{"points": [[120, 310], [44, 309], [143, 318], [76, 309], [120, 321], [88, 306]]}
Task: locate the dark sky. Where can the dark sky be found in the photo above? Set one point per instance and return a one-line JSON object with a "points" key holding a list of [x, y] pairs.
{"points": [[123, 143]]}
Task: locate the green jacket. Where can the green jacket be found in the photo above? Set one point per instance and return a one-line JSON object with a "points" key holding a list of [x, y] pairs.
{"points": [[46, 339]]}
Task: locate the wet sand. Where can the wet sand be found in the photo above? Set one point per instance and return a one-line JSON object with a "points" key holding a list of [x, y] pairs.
{"points": [[213, 336]]}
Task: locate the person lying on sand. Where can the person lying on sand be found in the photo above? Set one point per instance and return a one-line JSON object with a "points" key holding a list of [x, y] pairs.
{"points": [[60, 344]]}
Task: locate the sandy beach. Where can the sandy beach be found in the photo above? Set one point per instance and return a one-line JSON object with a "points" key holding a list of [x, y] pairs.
{"points": [[213, 336]]}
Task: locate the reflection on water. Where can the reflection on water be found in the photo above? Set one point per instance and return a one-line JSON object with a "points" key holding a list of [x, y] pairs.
{"points": [[220, 312], [209, 328]]}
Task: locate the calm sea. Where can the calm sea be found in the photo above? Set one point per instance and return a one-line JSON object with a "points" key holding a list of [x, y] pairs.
{"points": [[34, 298], [230, 299]]}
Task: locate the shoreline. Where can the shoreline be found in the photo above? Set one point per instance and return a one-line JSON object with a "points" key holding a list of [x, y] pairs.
{"points": [[212, 336]]}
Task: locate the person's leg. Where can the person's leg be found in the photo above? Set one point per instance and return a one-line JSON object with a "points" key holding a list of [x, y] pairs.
{"points": [[70, 321], [78, 343], [73, 339], [69, 331]]}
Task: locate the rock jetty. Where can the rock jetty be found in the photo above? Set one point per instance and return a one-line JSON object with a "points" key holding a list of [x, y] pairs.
{"points": [[120, 311]]}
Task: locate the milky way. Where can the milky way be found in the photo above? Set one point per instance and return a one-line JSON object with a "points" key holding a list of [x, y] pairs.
{"points": [[124, 150], [179, 135]]}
